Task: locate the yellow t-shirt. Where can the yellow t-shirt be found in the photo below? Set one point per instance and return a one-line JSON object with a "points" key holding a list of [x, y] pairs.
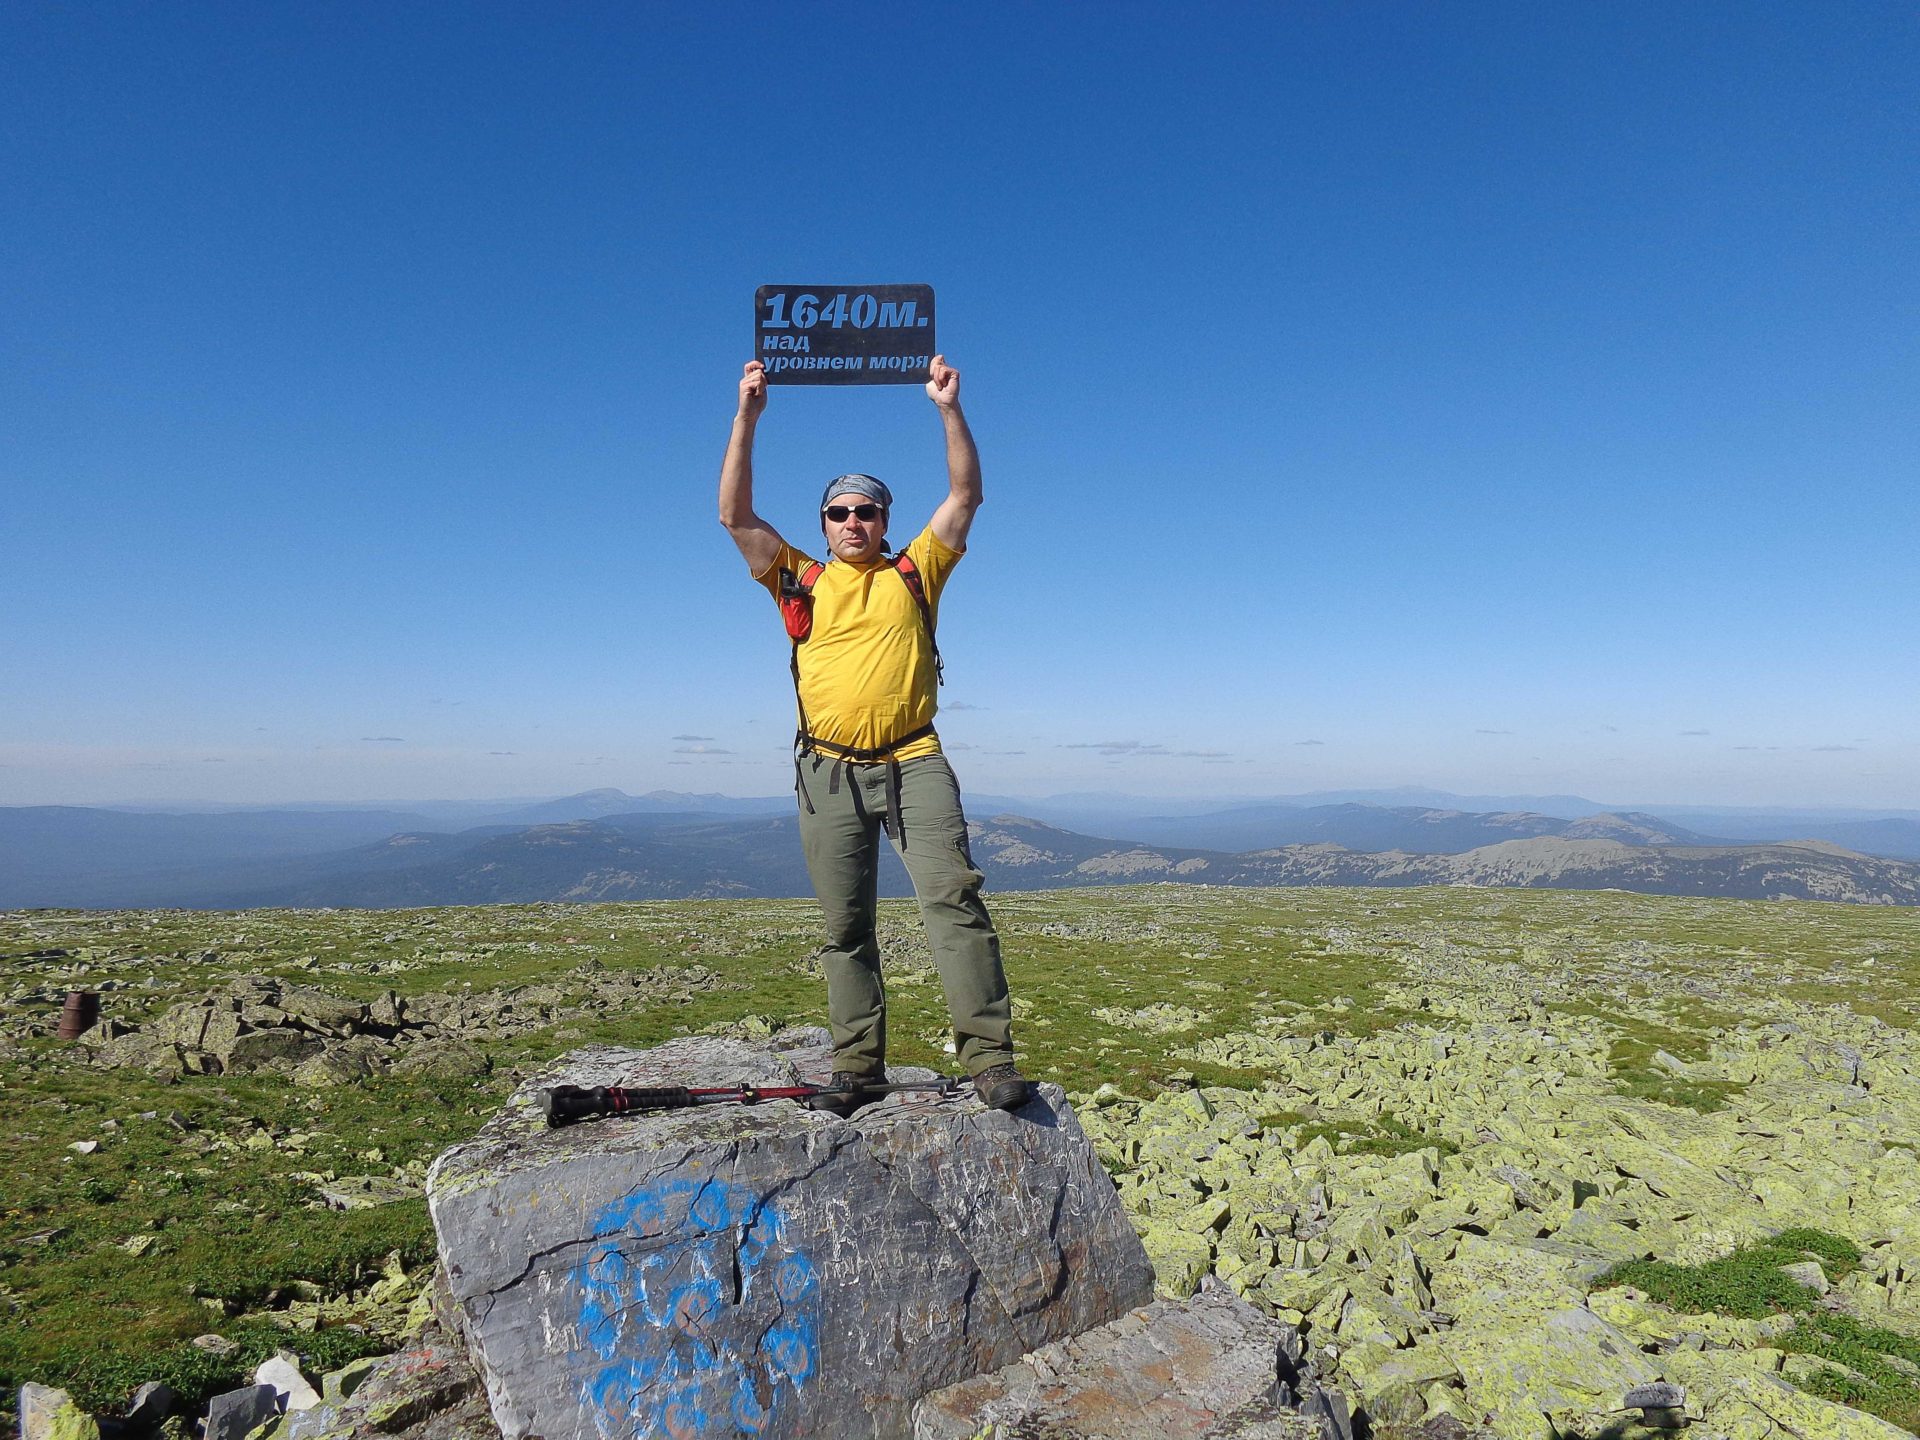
{"points": [[866, 672]]}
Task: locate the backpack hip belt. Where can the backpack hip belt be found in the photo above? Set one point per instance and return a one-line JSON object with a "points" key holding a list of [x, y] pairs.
{"points": [[805, 745]]}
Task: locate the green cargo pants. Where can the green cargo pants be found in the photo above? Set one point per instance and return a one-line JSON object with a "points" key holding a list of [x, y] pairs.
{"points": [[841, 839]]}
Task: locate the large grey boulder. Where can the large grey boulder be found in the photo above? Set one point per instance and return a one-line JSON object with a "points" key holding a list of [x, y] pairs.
{"points": [[766, 1269], [1212, 1366]]}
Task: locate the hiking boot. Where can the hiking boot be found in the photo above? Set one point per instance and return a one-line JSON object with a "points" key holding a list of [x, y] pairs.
{"points": [[848, 1097], [1002, 1087]]}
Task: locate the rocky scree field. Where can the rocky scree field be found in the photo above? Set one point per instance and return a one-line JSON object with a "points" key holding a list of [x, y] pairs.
{"points": [[1502, 1156]]}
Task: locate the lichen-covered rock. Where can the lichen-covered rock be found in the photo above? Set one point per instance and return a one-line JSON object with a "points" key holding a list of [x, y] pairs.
{"points": [[278, 1049], [1742, 1401], [38, 1404], [767, 1267], [319, 1010], [1631, 1311], [1212, 1367], [1541, 1371], [1179, 1258], [447, 1057], [428, 1391], [1527, 1175], [358, 1192], [70, 1422], [337, 1385], [1399, 1385], [144, 1050]]}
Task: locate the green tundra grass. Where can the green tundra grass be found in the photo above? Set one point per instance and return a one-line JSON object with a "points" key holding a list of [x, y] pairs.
{"points": [[196, 1210]]}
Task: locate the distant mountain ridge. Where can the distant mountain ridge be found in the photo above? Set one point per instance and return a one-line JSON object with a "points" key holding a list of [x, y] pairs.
{"points": [[668, 855], [1418, 829], [1046, 858]]}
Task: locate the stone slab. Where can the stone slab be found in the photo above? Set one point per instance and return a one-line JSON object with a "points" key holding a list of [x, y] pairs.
{"points": [[281, 1370], [151, 1404], [1212, 1367], [236, 1413], [37, 1405], [766, 1269]]}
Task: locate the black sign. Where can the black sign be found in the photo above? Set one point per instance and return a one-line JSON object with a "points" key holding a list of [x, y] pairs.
{"points": [[844, 334]]}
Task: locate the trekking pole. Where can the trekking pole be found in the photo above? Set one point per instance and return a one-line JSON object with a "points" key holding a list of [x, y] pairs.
{"points": [[565, 1104]]}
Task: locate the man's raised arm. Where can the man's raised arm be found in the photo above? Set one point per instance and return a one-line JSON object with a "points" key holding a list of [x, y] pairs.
{"points": [[955, 516], [759, 542]]}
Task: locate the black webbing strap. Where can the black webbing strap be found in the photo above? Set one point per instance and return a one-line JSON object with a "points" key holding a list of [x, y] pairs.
{"points": [[805, 745], [800, 744], [895, 823], [800, 781]]}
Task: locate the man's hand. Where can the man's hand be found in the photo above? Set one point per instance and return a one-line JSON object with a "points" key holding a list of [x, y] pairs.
{"points": [[753, 390], [943, 384]]}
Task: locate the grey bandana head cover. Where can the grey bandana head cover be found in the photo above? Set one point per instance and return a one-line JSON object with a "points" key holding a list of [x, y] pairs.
{"points": [[874, 490]]}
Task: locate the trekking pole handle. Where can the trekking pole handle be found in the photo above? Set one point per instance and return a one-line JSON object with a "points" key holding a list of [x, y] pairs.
{"points": [[564, 1104]]}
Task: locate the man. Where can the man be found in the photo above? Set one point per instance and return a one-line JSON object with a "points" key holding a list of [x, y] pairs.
{"points": [[867, 757]]}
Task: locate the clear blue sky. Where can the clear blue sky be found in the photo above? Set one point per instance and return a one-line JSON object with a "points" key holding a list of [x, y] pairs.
{"points": [[1496, 397]]}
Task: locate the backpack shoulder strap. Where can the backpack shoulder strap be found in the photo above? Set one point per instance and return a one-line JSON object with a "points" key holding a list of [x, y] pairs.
{"points": [[794, 586], [909, 573]]}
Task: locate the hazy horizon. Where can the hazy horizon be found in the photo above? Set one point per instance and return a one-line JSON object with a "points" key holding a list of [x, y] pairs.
{"points": [[1407, 795]]}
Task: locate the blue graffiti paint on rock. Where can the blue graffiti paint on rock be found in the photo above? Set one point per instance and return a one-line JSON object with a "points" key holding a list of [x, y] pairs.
{"points": [[679, 1347]]}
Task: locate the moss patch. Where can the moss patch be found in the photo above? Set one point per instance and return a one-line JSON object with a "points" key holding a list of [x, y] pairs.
{"points": [[1881, 1369], [1747, 1284]]}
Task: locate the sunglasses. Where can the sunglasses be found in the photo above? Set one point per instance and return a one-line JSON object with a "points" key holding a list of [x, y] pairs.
{"points": [[839, 513]]}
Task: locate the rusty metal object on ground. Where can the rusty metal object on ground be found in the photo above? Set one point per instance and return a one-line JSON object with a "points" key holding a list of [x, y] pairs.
{"points": [[79, 1015]]}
